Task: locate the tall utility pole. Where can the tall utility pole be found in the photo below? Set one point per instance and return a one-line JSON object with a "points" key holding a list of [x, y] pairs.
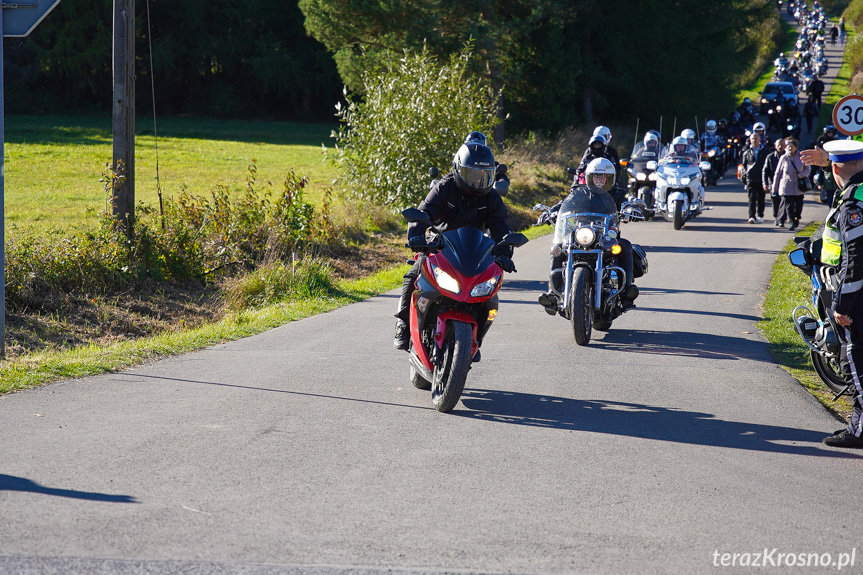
{"points": [[123, 192]]}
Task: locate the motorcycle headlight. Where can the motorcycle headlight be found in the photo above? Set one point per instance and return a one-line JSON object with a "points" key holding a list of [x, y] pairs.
{"points": [[685, 181], [485, 288], [641, 176], [711, 153], [585, 236], [652, 177], [446, 281], [763, 100]]}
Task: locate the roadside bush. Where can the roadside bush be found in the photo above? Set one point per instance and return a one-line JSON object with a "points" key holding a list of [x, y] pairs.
{"points": [[307, 278], [196, 238], [414, 115]]}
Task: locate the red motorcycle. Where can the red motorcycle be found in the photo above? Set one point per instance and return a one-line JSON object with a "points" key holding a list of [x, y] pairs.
{"points": [[452, 307]]}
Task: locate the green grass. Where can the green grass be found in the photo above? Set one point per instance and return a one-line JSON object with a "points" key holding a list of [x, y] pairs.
{"points": [[789, 287], [38, 369], [54, 163]]}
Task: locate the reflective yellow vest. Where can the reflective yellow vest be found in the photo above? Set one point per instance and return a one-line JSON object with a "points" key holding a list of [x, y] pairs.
{"points": [[831, 247]]}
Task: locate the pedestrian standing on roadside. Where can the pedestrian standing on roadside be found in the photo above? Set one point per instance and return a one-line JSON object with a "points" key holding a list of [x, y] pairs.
{"points": [[843, 246], [786, 183], [751, 173], [770, 165], [834, 33], [842, 30]]}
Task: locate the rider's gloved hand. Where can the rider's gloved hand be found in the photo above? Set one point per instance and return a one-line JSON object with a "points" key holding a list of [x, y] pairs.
{"points": [[546, 218], [417, 242], [505, 263]]}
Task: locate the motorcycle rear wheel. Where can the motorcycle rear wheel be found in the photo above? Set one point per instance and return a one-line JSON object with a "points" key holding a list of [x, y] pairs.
{"points": [[678, 214], [581, 306], [828, 372], [450, 376]]}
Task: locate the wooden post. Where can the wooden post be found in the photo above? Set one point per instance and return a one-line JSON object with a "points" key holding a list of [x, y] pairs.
{"points": [[123, 190]]}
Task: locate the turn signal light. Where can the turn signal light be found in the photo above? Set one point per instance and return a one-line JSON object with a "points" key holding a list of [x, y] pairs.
{"points": [[616, 249]]}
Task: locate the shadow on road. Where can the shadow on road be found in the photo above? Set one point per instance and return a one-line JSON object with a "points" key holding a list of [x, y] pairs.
{"points": [[12, 483], [637, 420], [699, 312], [683, 344], [705, 249]]}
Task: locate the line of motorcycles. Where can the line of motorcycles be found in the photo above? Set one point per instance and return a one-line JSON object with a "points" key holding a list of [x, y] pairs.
{"points": [[455, 300], [674, 186]]}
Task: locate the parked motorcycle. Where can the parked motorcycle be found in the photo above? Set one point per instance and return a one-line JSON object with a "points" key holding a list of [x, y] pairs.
{"points": [[452, 308], [679, 191], [815, 325], [591, 277]]}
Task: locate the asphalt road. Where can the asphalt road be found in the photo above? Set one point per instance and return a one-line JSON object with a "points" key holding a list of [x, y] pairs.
{"points": [[305, 449], [669, 444]]}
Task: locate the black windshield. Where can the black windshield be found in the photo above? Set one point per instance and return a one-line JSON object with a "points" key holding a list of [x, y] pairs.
{"points": [[588, 199]]}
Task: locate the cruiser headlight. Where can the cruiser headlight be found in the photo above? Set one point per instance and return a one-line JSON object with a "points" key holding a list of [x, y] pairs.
{"points": [[685, 181], [485, 288], [446, 281], [641, 176], [585, 236]]}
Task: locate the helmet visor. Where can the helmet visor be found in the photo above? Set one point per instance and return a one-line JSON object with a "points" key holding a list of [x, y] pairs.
{"points": [[477, 179]]}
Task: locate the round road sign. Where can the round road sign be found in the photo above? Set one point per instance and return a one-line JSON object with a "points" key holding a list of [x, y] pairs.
{"points": [[848, 115]]}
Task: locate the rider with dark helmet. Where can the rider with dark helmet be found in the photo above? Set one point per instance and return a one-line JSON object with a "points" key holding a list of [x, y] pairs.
{"points": [[464, 197]]}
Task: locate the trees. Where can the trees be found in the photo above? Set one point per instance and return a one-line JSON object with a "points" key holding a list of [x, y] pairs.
{"points": [[562, 62], [230, 58], [415, 114]]}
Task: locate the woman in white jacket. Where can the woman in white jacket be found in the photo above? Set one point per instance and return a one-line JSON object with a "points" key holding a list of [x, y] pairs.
{"points": [[786, 185]]}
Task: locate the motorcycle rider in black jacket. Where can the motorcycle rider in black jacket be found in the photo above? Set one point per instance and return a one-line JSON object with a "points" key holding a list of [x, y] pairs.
{"points": [[600, 196], [464, 197]]}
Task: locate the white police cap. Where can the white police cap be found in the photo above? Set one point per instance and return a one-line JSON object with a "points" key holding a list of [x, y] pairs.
{"points": [[844, 150]]}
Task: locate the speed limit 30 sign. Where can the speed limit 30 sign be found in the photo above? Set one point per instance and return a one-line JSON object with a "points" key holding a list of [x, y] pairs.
{"points": [[848, 115]]}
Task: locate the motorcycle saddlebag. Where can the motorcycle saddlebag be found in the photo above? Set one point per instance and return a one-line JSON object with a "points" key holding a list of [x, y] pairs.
{"points": [[639, 261]]}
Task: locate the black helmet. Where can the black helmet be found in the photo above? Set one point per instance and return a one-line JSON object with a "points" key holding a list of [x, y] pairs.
{"points": [[476, 138], [829, 128], [473, 166], [597, 145]]}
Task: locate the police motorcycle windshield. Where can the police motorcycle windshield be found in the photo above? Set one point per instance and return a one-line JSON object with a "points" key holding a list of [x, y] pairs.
{"points": [[468, 250]]}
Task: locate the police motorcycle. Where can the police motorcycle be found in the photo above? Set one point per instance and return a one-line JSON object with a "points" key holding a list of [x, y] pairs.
{"points": [[815, 325], [641, 168], [679, 191], [591, 278]]}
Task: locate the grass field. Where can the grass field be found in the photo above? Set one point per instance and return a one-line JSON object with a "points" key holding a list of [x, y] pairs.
{"points": [[54, 163]]}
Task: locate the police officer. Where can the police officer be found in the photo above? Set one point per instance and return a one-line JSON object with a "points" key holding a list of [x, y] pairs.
{"points": [[843, 241], [464, 197]]}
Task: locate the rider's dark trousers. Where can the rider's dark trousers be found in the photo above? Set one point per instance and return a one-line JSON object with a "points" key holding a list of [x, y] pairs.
{"points": [[410, 279]]}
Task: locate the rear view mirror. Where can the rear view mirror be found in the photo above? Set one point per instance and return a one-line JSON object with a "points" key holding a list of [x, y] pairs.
{"points": [[415, 215], [798, 258], [705, 166], [651, 165], [515, 239]]}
